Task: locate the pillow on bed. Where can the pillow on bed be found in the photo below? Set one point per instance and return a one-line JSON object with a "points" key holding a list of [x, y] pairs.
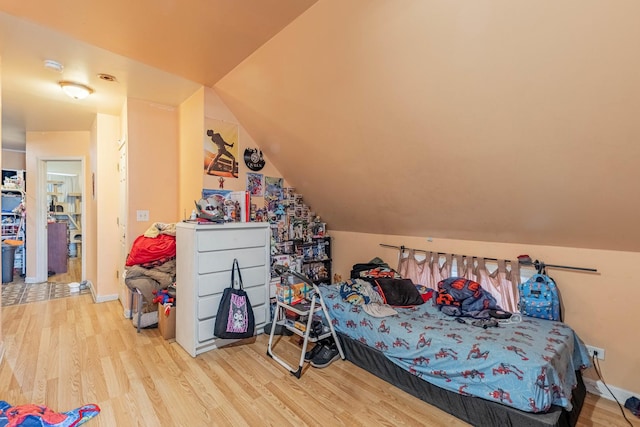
{"points": [[425, 292], [399, 292]]}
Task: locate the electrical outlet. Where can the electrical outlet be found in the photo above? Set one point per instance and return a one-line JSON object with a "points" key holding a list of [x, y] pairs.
{"points": [[599, 352], [142, 215]]}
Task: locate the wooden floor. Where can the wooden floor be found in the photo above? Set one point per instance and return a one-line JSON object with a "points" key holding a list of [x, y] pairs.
{"points": [[73, 274], [69, 352]]}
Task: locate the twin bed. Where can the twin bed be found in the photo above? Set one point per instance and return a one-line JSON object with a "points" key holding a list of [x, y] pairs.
{"points": [[523, 373]]}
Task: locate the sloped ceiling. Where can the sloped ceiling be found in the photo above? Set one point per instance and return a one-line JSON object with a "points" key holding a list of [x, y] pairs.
{"points": [[487, 120], [161, 51], [201, 40]]}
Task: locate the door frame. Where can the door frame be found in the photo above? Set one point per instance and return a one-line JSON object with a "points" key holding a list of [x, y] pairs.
{"points": [[41, 211]]}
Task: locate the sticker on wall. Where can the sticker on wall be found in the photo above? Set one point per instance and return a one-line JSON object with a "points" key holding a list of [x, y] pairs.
{"points": [[220, 148], [253, 159]]}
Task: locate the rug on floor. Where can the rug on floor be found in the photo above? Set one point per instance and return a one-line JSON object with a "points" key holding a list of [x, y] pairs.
{"points": [[23, 293]]}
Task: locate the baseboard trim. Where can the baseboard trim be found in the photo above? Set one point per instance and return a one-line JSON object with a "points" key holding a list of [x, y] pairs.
{"points": [[598, 388], [105, 298], [100, 298]]}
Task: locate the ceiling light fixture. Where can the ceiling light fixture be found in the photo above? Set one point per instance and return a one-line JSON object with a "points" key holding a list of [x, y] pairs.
{"points": [[75, 90]]}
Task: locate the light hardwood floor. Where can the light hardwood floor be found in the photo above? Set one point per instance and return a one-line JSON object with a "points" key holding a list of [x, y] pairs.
{"points": [[73, 274], [69, 352]]}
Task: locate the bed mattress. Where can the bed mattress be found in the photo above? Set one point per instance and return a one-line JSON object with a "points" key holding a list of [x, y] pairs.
{"points": [[475, 411], [530, 366]]}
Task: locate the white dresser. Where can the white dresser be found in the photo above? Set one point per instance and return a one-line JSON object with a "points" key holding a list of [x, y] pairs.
{"points": [[205, 254]]}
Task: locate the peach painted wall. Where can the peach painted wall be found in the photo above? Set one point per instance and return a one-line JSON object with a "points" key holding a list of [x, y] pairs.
{"points": [[50, 145], [216, 108], [12, 159], [90, 242], [152, 146], [207, 103], [107, 194], [598, 306], [191, 114], [123, 203], [519, 117]]}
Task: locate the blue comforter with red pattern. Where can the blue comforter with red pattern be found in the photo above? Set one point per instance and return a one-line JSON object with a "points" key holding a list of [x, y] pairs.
{"points": [[528, 365]]}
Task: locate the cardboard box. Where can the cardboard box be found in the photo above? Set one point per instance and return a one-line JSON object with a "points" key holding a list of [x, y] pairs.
{"points": [[167, 324]]}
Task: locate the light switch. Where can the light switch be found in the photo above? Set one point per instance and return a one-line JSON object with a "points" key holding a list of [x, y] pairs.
{"points": [[142, 215]]}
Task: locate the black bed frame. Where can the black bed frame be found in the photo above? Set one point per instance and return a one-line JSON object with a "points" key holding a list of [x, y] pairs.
{"points": [[474, 410]]}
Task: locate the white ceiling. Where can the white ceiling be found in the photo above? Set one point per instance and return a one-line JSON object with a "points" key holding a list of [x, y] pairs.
{"points": [[158, 51]]}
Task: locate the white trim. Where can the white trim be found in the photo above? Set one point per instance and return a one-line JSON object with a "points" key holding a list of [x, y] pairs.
{"points": [[598, 388], [105, 298], [100, 298]]}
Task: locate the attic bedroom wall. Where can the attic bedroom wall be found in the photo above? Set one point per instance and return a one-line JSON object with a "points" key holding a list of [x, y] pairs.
{"points": [[486, 120], [498, 128], [152, 182], [205, 103]]}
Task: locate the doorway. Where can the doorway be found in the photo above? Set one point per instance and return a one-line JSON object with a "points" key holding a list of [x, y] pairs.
{"points": [[64, 191]]}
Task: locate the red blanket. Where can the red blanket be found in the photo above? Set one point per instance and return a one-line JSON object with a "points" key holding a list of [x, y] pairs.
{"points": [[149, 249]]}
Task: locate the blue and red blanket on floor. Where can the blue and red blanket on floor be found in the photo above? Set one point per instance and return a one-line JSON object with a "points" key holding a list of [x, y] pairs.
{"points": [[31, 415]]}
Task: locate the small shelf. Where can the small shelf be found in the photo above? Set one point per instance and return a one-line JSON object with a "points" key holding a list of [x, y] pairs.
{"points": [[316, 258], [299, 332]]}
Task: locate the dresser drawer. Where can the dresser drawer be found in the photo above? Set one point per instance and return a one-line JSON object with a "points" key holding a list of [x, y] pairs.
{"points": [[214, 283], [216, 240], [211, 262], [204, 258], [205, 327], [208, 306]]}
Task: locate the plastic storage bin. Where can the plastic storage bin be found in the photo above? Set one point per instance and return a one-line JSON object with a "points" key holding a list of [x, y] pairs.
{"points": [[8, 259]]}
